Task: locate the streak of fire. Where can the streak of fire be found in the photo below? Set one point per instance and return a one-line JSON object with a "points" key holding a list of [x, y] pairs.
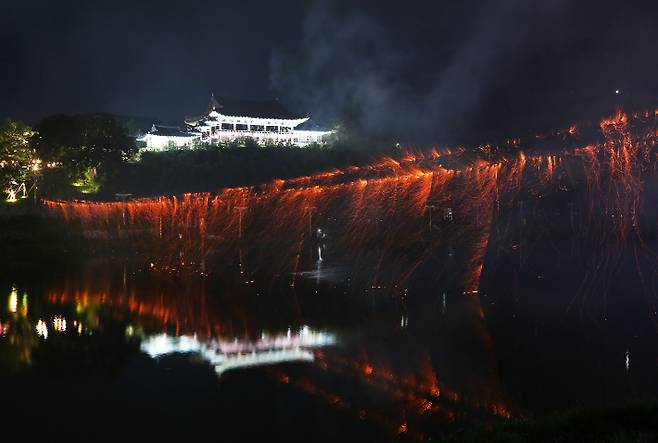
{"points": [[387, 220]]}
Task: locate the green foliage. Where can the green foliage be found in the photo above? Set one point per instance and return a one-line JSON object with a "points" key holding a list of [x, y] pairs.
{"points": [[87, 183], [83, 143], [171, 146], [16, 155]]}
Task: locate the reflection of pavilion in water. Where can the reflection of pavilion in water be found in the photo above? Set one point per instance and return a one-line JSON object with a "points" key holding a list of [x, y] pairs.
{"points": [[224, 355], [179, 322]]}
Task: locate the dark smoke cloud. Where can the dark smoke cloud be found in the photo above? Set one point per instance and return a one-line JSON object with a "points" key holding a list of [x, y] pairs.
{"points": [[391, 82], [427, 69]]}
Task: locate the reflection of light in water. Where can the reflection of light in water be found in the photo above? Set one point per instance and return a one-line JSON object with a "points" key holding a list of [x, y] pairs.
{"points": [[628, 360], [24, 305], [59, 324], [323, 274], [13, 300], [42, 329], [225, 355], [163, 344]]}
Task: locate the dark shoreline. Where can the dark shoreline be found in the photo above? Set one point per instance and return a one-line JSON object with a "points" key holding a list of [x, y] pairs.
{"points": [[635, 421]]}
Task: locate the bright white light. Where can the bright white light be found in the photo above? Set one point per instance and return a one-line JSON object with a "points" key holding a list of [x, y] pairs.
{"points": [[163, 344], [42, 329], [617, 91], [263, 358], [225, 355]]}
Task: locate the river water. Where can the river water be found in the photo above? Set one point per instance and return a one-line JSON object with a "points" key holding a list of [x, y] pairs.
{"points": [[405, 298]]}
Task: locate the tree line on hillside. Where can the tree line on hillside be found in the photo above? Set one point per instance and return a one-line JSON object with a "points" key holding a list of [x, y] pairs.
{"points": [[94, 156], [215, 167]]}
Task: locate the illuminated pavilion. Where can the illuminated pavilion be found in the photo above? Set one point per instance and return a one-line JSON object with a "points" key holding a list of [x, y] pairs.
{"points": [[229, 119]]}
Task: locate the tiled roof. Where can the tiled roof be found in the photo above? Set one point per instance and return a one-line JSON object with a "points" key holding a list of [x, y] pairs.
{"points": [[309, 125], [251, 108]]}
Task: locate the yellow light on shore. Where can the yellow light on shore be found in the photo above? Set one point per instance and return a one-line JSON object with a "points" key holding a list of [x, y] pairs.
{"points": [[11, 196], [13, 300]]}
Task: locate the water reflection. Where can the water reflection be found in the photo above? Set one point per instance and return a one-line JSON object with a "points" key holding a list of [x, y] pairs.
{"points": [[417, 218], [383, 371], [461, 286], [224, 355]]}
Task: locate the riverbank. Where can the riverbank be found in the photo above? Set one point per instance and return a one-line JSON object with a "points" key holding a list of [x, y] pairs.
{"points": [[633, 422], [28, 236], [211, 168]]}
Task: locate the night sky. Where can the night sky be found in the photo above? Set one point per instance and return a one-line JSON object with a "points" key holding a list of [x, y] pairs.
{"points": [[438, 69]]}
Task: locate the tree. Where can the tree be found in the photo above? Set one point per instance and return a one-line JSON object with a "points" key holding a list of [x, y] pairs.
{"points": [[85, 144], [16, 156]]}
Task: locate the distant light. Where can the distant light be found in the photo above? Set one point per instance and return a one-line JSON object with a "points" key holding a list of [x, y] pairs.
{"points": [[617, 91]]}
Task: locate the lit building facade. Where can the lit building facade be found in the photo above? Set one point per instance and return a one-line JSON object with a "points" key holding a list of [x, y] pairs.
{"points": [[227, 120], [164, 137]]}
